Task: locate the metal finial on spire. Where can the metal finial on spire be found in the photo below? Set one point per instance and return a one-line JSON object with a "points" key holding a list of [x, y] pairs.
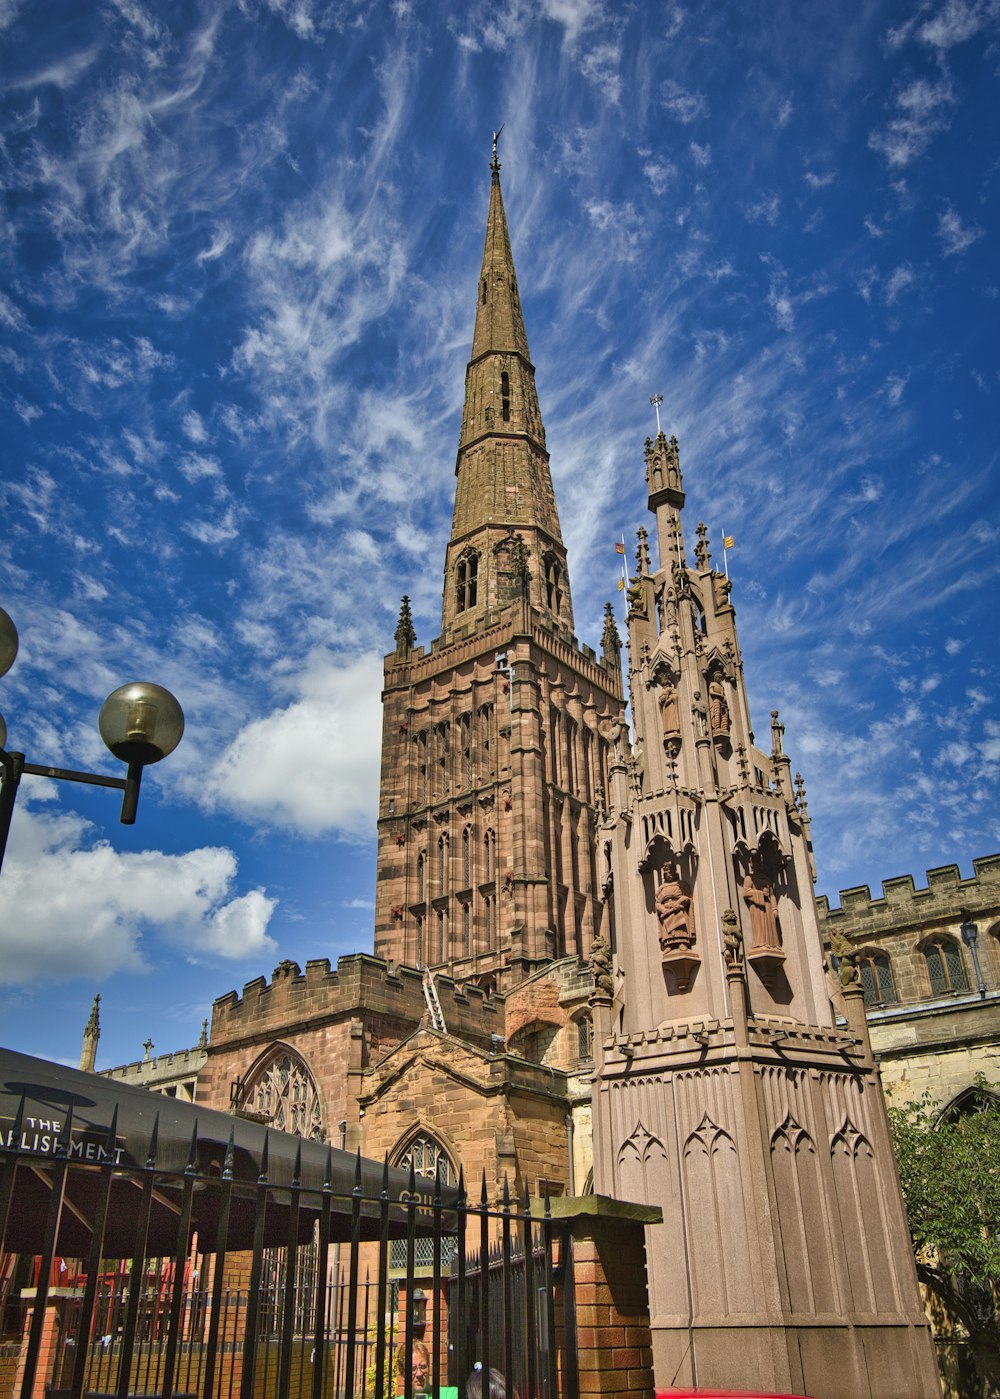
{"points": [[656, 399], [494, 163]]}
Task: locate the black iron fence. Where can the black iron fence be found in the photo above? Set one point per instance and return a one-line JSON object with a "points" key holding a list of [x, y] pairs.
{"points": [[228, 1311]]}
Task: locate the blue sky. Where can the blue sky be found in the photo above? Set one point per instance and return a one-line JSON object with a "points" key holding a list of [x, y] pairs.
{"points": [[239, 255]]}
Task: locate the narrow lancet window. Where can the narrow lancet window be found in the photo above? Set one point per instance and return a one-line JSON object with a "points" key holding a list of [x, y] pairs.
{"points": [[505, 396], [467, 578]]}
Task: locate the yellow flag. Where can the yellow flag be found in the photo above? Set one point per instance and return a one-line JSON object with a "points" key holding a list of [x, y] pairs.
{"points": [[621, 584], [727, 541]]}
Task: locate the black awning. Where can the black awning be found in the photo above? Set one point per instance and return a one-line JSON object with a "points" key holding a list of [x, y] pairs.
{"points": [[49, 1113]]}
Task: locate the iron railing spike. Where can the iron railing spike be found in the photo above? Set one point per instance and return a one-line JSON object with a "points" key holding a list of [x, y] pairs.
{"points": [[328, 1170], [230, 1160], [483, 1197], [112, 1144], [385, 1177], [357, 1173], [297, 1168], [265, 1158], [154, 1143], [192, 1160], [66, 1135], [506, 1194]]}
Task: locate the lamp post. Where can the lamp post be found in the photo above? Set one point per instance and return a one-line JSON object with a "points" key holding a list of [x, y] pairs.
{"points": [[970, 936], [140, 723]]}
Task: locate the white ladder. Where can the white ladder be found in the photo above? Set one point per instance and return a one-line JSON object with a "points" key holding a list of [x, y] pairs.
{"points": [[433, 1004]]}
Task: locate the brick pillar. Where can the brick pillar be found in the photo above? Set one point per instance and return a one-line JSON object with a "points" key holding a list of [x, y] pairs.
{"points": [[56, 1303], [614, 1342]]}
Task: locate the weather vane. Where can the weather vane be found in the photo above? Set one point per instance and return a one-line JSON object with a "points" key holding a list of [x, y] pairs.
{"points": [[655, 399], [496, 138]]}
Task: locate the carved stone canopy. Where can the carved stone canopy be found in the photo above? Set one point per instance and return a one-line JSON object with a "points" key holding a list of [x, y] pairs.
{"points": [[661, 672]]}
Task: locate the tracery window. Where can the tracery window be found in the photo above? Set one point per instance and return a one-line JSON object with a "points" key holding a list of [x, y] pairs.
{"points": [[467, 578], [283, 1091], [876, 979], [427, 1156], [944, 967]]}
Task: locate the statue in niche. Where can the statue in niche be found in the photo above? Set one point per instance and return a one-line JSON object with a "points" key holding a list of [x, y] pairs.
{"points": [[758, 895], [600, 967], [718, 709], [700, 712], [670, 717], [616, 736], [673, 911], [682, 586]]}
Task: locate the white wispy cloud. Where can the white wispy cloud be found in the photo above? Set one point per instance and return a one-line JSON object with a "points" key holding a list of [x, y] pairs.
{"points": [[923, 108], [956, 236]]}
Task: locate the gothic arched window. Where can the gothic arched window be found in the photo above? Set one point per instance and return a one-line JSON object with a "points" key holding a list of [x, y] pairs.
{"points": [[283, 1092], [944, 967], [553, 583], [585, 1037], [467, 859], [505, 396], [467, 578], [876, 978]]}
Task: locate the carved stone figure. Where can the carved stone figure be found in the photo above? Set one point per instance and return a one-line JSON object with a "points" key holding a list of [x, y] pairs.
{"points": [[718, 709], [732, 938], [700, 712], [721, 587], [673, 911], [636, 595], [670, 717], [758, 894], [600, 967], [846, 954]]}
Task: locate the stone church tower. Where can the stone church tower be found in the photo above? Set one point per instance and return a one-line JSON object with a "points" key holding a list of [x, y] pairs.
{"points": [[725, 1089], [495, 748]]}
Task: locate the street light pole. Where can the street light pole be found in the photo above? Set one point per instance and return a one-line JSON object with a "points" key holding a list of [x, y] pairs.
{"points": [[970, 936], [141, 723]]}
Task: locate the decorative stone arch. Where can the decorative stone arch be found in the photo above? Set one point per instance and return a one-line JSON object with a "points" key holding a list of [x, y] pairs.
{"points": [[534, 1041], [280, 1089], [969, 1099]]}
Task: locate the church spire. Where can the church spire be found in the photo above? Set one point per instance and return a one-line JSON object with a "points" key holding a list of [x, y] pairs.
{"points": [[92, 1033], [504, 486]]}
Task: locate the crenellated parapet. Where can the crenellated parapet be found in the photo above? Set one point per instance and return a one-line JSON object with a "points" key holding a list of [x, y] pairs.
{"points": [[294, 999], [902, 906]]}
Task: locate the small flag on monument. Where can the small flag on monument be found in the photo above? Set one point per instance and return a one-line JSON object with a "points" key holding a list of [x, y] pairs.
{"points": [[619, 546], [727, 541], [621, 584]]}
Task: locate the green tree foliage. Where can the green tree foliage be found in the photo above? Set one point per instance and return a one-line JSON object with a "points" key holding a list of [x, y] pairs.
{"points": [[949, 1168]]}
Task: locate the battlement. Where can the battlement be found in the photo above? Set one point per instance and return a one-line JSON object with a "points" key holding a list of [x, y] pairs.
{"points": [[174, 1064], [903, 905], [361, 982]]}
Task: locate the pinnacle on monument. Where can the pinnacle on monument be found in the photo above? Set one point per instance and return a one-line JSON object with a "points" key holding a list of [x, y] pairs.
{"points": [[611, 642], [405, 635], [91, 1034]]}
